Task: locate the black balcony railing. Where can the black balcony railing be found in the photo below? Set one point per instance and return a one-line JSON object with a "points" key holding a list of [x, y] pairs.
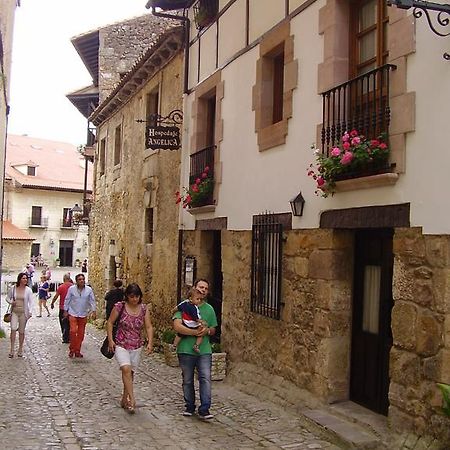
{"points": [[361, 104], [41, 222], [202, 162]]}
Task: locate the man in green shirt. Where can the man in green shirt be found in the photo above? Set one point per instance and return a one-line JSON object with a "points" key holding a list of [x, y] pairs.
{"points": [[189, 359]]}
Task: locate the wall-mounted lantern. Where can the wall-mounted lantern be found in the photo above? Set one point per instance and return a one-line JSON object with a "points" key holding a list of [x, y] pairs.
{"points": [[297, 205]]}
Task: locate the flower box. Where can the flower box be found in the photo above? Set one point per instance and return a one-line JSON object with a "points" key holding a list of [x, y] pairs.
{"points": [[355, 157]]}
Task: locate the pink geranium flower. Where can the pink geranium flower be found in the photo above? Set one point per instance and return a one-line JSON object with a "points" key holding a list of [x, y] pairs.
{"points": [[347, 158], [336, 151], [346, 145]]}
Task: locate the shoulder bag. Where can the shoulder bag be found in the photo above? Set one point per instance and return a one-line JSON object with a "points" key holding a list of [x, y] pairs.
{"points": [[104, 348], [7, 316]]}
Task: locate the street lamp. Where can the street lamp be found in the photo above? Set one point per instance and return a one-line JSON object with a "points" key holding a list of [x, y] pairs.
{"points": [[77, 215]]}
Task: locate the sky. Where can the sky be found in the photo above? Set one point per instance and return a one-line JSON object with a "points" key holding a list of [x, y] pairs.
{"points": [[46, 66]]}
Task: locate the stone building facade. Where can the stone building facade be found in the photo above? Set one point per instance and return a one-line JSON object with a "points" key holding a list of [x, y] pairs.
{"points": [[121, 44], [350, 299], [135, 185]]}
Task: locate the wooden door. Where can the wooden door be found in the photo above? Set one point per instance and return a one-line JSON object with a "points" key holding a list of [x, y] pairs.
{"points": [[371, 333], [66, 253]]}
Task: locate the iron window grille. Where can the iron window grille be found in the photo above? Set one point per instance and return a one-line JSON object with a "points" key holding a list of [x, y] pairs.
{"points": [[266, 274]]}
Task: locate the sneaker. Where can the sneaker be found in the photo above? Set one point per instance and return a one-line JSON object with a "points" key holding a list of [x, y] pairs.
{"points": [[187, 413], [205, 416], [78, 355]]}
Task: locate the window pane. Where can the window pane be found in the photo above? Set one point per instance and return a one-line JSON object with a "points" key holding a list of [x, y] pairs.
{"points": [[371, 301], [368, 15], [367, 46]]}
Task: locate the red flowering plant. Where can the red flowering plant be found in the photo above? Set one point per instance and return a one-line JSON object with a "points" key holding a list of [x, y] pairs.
{"points": [[199, 192], [355, 156]]}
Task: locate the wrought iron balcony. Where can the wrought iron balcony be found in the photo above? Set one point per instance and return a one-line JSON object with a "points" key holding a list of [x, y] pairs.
{"points": [[38, 222], [202, 163], [361, 104], [205, 12]]}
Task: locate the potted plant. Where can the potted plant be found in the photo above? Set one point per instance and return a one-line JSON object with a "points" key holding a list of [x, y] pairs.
{"points": [[219, 362], [445, 389], [169, 350], [354, 157], [199, 193]]}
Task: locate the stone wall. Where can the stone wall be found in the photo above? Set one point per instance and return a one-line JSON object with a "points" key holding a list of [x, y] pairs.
{"points": [[143, 179], [121, 44], [420, 356], [310, 345], [16, 254]]}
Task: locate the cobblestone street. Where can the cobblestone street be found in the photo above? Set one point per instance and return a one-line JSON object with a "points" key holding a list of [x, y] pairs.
{"points": [[49, 401]]}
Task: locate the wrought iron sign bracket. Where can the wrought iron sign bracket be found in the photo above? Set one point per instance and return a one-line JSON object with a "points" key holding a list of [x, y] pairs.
{"points": [[175, 117], [442, 25]]}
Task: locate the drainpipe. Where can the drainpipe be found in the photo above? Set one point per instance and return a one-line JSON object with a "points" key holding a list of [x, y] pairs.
{"points": [[187, 28]]}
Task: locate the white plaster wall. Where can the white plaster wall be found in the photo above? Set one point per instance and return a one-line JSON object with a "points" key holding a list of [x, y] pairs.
{"points": [[264, 14], [231, 42], [208, 52], [19, 213], [254, 182]]}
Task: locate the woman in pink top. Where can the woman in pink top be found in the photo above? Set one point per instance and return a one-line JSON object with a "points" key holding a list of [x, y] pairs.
{"points": [[134, 316]]}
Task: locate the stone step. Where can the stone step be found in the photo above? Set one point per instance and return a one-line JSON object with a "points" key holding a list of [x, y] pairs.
{"points": [[348, 434]]}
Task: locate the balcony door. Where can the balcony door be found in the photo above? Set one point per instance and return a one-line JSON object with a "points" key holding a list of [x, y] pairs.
{"points": [[371, 331], [66, 253]]}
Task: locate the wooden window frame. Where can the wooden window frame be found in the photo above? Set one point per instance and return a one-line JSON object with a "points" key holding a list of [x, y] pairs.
{"points": [[382, 20], [273, 92]]}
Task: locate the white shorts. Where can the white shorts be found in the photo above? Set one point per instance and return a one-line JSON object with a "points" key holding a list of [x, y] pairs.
{"points": [[128, 357]]}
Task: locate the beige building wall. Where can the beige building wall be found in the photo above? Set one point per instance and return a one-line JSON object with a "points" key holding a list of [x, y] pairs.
{"points": [[7, 12], [142, 180], [18, 205]]}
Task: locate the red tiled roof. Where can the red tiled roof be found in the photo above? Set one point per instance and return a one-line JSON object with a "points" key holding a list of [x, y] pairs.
{"points": [[11, 232], [58, 164]]}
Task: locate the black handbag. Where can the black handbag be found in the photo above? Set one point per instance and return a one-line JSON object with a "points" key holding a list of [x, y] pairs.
{"points": [[8, 314], [104, 350]]}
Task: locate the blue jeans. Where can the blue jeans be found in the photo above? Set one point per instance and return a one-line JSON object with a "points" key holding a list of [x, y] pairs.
{"points": [[188, 363]]}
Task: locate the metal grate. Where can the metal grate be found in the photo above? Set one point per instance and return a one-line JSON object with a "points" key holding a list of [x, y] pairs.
{"points": [[267, 242]]}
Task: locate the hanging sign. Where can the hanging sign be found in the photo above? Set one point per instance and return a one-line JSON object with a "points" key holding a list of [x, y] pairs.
{"points": [[163, 137]]}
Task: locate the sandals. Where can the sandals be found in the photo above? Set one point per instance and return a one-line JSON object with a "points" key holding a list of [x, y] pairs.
{"points": [[130, 409], [10, 355], [20, 355]]}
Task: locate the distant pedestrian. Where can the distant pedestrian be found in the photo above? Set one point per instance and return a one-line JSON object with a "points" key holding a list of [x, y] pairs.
{"points": [[113, 296], [61, 293], [43, 294], [134, 316], [20, 297], [29, 270], [84, 266], [47, 272], [78, 305], [202, 360]]}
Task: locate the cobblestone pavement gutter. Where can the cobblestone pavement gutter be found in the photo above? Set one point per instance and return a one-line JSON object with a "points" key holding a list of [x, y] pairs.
{"points": [[48, 401]]}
